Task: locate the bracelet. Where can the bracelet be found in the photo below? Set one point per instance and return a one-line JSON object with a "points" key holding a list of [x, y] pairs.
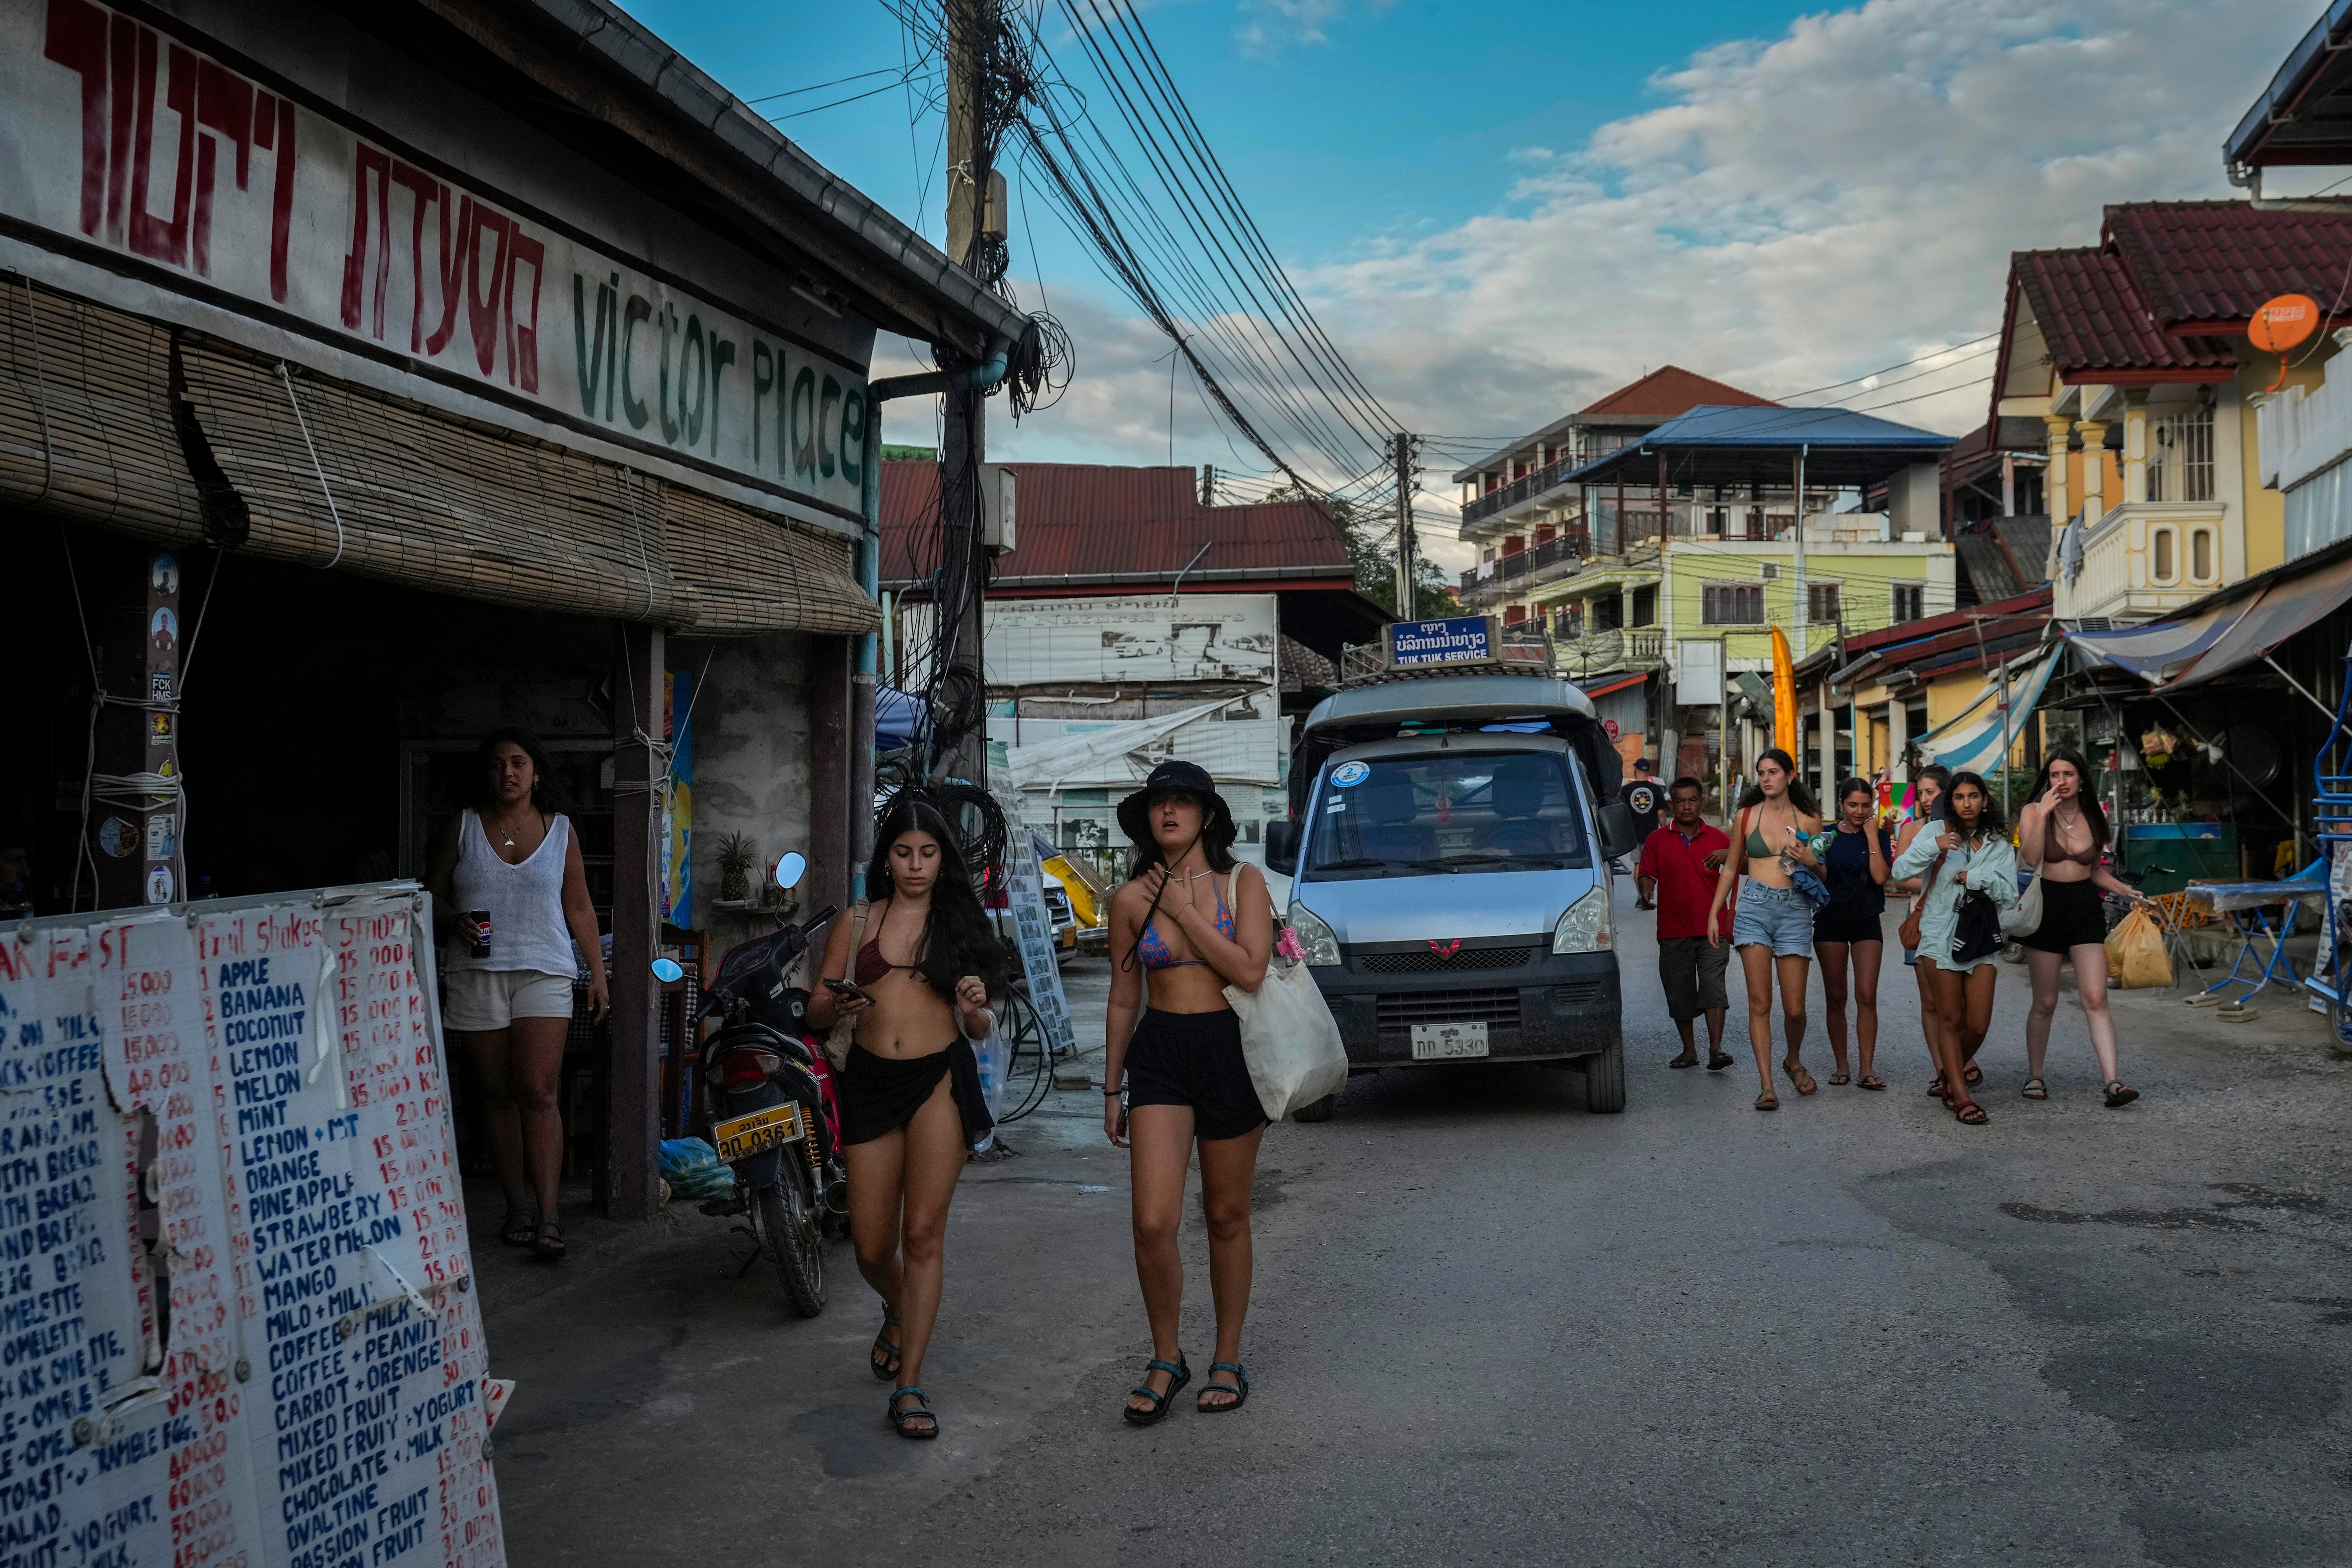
{"points": [[1113, 1093]]}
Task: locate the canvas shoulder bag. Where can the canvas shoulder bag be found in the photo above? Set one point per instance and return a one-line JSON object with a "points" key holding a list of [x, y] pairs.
{"points": [[1909, 930], [844, 1033], [1290, 1042]]}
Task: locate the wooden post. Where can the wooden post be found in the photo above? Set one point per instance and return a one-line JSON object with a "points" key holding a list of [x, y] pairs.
{"points": [[629, 1187], [829, 835], [131, 828]]}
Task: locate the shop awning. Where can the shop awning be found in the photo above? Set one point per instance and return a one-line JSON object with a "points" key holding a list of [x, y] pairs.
{"points": [[1620, 684], [1975, 739], [2213, 642]]}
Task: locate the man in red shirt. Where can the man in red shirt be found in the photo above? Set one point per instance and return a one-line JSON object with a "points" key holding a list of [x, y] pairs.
{"points": [[1677, 877]]}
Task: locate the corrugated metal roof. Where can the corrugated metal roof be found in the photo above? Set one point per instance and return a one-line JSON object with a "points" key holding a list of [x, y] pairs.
{"points": [[2219, 261], [1092, 521]]}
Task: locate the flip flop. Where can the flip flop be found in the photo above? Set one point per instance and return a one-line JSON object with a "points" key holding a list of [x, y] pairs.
{"points": [[1839, 1079], [1718, 1062], [1690, 1061], [1872, 1080], [1767, 1101]]}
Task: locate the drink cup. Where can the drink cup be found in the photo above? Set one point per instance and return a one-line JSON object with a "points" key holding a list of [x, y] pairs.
{"points": [[480, 920]]}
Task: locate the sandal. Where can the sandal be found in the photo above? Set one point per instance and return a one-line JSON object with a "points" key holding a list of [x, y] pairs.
{"points": [[1767, 1100], [920, 1411], [1800, 1076], [2033, 1088], [1970, 1113], [2120, 1094], [1687, 1059], [549, 1242], [1936, 1090], [1971, 1075], [1238, 1388], [1718, 1061], [884, 1349], [1840, 1079], [1871, 1081], [1179, 1374], [518, 1229]]}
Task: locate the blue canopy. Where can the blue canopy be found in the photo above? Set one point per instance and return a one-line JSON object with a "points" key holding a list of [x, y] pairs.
{"points": [[1839, 445], [899, 720]]}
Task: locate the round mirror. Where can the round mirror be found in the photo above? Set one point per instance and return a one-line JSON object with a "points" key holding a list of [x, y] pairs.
{"points": [[789, 868], [668, 971]]}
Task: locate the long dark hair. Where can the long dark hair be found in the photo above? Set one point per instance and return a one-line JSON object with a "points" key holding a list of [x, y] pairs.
{"points": [[1216, 837], [546, 795], [2086, 796], [1846, 790], [1799, 795], [1989, 822], [957, 940]]}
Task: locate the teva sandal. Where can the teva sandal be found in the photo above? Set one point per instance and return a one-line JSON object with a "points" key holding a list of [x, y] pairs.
{"points": [[518, 1229], [2033, 1088], [1840, 1079], [1179, 1374], [1971, 1075], [1871, 1081], [1936, 1090], [1968, 1113], [884, 1349], [920, 1411], [1767, 1100], [549, 1242], [2120, 1094], [1238, 1388], [1687, 1059], [1718, 1061], [1801, 1077]]}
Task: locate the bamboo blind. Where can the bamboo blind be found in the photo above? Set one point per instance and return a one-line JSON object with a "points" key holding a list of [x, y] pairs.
{"points": [[439, 501], [86, 417]]}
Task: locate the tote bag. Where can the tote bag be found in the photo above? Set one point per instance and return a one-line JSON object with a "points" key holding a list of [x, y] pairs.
{"points": [[1289, 1039], [2023, 918]]}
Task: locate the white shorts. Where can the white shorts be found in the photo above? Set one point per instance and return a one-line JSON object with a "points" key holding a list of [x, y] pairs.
{"points": [[481, 1000]]}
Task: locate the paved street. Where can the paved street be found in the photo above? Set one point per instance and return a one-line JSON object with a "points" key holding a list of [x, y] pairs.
{"points": [[1489, 1327]]}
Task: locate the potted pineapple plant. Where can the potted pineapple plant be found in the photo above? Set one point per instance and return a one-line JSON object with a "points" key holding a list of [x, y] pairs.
{"points": [[736, 855]]}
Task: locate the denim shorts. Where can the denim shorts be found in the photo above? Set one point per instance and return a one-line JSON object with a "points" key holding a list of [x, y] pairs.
{"points": [[1779, 918]]}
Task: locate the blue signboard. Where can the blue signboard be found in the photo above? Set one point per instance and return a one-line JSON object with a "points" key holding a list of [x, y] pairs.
{"points": [[1462, 640]]}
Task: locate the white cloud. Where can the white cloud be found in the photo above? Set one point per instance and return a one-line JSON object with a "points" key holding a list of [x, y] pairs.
{"points": [[1266, 26], [1795, 212]]}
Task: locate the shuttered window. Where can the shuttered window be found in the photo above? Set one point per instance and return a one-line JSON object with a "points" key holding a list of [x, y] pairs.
{"points": [[1732, 604]]}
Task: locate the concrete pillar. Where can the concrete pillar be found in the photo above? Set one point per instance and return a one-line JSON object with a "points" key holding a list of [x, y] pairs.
{"points": [[1828, 748], [2094, 463], [2134, 447], [131, 833], [2054, 488], [629, 1185]]}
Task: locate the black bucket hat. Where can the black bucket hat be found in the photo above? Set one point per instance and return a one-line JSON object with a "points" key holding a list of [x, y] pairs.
{"points": [[1174, 778]]}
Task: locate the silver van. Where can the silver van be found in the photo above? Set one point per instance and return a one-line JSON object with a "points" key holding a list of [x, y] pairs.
{"points": [[1449, 845]]}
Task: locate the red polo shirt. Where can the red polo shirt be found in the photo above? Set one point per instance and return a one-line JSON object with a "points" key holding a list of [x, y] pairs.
{"points": [[1686, 886]]}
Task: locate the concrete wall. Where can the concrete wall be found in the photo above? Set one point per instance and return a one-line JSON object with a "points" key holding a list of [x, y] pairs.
{"points": [[751, 753]]}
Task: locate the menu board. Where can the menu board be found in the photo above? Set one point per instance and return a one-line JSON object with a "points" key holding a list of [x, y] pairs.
{"points": [[236, 1320]]}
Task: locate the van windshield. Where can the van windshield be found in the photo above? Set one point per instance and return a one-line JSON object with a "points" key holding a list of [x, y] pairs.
{"points": [[1446, 814]]}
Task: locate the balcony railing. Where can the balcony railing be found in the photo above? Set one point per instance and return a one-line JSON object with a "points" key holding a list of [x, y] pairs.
{"points": [[1521, 488], [1489, 575], [1617, 649]]}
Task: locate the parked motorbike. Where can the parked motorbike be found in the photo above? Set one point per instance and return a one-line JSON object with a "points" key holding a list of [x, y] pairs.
{"points": [[773, 1115]]}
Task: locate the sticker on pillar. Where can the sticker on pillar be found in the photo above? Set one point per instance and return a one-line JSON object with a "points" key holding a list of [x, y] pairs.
{"points": [[164, 574], [164, 631], [159, 687], [118, 837], [1348, 776], [159, 884], [159, 729], [163, 836]]}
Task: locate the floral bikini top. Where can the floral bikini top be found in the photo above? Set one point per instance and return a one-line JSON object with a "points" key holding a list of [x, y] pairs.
{"points": [[1155, 952]]}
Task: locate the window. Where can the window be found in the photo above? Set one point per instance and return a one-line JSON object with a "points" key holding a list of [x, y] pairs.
{"points": [[1821, 602], [1512, 614], [2181, 465], [1910, 603], [2200, 553], [2162, 568], [1645, 606], [1732, 604], [1771, 571], [1448, 812]]}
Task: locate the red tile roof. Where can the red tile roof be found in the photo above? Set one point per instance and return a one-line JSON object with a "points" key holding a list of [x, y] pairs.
{"points": [[1085, 521], [2219, 261], [2092, 316], [1669, 390]]}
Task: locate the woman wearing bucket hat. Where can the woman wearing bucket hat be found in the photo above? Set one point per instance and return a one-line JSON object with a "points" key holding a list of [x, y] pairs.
{"points": [[1188, 923]]}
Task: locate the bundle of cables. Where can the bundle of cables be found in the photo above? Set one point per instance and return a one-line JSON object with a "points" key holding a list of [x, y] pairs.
{"points": [[972, 815]]}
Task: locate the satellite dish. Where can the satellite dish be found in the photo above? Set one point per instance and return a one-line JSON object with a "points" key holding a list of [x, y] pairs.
{"points": [[2282, 324], [789, 869], [668, 971], [2253, 757]]}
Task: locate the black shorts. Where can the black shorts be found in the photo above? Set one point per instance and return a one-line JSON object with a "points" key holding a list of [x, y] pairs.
{"points": [[1834, 922], [1195, 1060], [2072, 916]]}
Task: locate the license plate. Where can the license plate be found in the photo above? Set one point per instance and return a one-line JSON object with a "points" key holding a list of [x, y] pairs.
{"points": [[1446, 1041], [740, 1137]]}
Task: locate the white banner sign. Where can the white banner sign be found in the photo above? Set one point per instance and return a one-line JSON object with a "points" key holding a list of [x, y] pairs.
{"points": [[138, 141], [1194, 637]]}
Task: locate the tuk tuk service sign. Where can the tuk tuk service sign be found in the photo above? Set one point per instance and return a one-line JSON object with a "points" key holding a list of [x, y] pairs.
{"points": [[1465, 639], [136, 141]]}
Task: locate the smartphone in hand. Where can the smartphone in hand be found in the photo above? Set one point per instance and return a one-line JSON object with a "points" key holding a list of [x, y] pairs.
{"points": [[843, 988]]}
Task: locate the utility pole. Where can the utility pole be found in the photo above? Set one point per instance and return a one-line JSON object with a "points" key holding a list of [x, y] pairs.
{"points": [[1208, 484], [1408, 546], [963, 436]]}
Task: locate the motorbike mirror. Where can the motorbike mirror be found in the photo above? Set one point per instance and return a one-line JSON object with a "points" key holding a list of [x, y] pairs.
{"points": [[790, 869], [668, 971]]}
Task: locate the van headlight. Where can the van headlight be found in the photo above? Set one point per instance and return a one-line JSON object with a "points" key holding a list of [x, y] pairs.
{"points": [[1586, 928], [1318, 941]]}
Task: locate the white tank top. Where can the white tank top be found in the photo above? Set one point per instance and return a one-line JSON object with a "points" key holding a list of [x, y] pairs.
{"points": [[525, 902]]}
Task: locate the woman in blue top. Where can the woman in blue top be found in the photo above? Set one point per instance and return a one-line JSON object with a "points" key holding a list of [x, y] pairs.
{"points": [[1852, 926], [1971, 855], [1189, 922]]}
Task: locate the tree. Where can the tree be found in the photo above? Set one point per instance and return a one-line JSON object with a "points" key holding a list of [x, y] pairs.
{"points": [[1372, 551]]}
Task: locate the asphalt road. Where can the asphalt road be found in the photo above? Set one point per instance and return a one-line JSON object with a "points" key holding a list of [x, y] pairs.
{"points": [[1490, 1327]]}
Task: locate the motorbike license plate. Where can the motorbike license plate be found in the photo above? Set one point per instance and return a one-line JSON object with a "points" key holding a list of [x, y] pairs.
{"points": [[1448, 1042], [740, 1137]]}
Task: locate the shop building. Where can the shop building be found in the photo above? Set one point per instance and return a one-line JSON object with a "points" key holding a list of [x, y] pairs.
{"points": [[379, 375]]}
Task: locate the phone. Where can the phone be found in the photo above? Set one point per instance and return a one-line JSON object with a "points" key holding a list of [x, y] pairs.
{"points": [[1122, 1119], [843, 988]]}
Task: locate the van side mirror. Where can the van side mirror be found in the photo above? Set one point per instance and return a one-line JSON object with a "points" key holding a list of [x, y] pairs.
{"points": [[1619, 835], [1281, 852]]}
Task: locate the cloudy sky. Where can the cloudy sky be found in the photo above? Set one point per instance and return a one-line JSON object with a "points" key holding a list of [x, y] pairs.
{"points": [[1499, 212]]}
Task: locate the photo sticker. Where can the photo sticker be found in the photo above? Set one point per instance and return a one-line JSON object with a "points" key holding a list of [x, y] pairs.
{"points": [[1347, 775]]}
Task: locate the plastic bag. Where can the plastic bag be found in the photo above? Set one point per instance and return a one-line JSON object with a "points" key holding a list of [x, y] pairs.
{"points": [[2136, 954], [691, 1168]]}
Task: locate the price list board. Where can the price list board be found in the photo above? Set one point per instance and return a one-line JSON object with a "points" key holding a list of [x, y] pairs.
{"points": [[286, 1365]]}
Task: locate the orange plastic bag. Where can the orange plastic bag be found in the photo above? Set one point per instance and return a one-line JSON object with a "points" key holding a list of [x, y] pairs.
{"points": [[2136, 954]]}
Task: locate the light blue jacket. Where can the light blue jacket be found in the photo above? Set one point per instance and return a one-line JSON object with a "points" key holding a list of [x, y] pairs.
{"points": [[1991, 868]]}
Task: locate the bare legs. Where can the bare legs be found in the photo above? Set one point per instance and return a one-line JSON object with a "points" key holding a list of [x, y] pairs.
{"points": [[1758, 963], [1930, 1023], [2090, 961], [1864, 958], [1715, 1017], [1964, 1003], [517, 1066], [899, 1188], [1162, 1140]]}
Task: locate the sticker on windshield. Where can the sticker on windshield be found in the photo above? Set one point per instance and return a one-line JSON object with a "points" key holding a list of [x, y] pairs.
{"points": [[1347, 775]]}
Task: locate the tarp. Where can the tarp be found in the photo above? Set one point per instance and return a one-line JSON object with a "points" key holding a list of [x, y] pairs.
{"points": [[1973, 739], [1099, 757], [899, 720], [2199, 647]]}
